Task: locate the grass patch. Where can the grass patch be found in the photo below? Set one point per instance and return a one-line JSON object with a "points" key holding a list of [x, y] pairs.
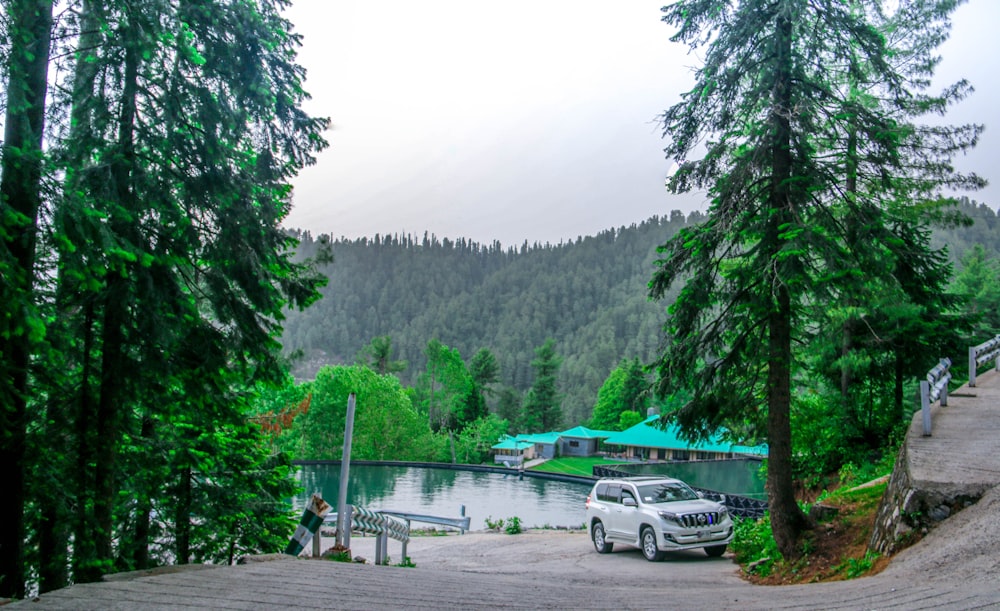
{"points": [[573, 465], [836, 549]]}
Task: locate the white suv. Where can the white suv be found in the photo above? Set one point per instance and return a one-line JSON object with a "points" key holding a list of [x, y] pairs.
{"points": [[655, 514]]}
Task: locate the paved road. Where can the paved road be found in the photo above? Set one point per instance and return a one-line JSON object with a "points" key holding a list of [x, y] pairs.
{"points": [[957, 566], [560, 570]]}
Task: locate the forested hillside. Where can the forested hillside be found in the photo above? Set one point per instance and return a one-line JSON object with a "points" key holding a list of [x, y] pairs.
{"points": [[589, 295]]}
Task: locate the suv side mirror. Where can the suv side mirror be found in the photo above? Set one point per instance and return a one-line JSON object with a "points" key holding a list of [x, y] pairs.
{"points": [[629, 501]]}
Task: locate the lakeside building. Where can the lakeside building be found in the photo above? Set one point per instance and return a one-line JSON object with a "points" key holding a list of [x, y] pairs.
{"points": [[646, 441]]}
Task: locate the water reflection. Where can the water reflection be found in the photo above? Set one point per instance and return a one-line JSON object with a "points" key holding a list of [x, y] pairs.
{"points": [[443, 492], [537, 502]]}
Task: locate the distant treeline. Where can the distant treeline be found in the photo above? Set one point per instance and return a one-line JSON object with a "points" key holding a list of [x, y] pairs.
{"points": [[589, 295]]}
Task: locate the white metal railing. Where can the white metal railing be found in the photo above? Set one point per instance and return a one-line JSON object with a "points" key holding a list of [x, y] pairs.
{"points": [[982, 354], [933, 388], [386, 524], [382, 525]]}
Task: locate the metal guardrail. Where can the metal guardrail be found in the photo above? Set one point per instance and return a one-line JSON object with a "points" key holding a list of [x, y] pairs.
{"points": [[932, 389], [386, 524], [460, 523], [982, 354], [382, 525], [738, 505]]}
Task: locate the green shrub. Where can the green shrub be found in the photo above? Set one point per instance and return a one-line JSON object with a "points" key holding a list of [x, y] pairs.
{"points": [[857, 567], [492, 524], [754, 542], [513, 525]]}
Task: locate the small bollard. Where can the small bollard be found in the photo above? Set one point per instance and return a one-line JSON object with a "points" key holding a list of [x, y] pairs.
{"points": [[312, 518]]}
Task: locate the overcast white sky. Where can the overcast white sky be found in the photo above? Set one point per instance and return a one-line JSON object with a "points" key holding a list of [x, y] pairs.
{"points": [[525, 119]]}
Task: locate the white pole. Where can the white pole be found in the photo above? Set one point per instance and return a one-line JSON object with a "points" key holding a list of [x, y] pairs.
{"points": [[343, 519]]}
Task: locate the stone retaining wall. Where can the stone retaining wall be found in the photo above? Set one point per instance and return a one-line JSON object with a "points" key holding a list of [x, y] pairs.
{"points": [[907, 511]]}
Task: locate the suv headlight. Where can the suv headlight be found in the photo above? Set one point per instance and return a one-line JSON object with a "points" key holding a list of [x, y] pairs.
{"points": [[670, 517], [723, 512]]}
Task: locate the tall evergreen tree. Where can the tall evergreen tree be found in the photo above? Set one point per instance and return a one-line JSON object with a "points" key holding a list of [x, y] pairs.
{"points": [[378, 356], [28, 29], [173, 273], [774, 100], [542, 409]]}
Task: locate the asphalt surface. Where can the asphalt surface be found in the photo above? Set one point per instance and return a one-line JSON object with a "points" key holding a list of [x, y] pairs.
{"points": [[561, 570], [956, 566]]}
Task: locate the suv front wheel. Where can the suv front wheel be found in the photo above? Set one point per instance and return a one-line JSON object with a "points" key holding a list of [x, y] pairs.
{"points": [[649, 548], [714, 551], [600, 540]]}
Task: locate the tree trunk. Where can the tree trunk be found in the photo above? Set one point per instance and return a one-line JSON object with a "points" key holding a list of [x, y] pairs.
{"points": [[29, 30], [143, 511], [114, 372], [182, 518], [84, 554], [787, 520]]}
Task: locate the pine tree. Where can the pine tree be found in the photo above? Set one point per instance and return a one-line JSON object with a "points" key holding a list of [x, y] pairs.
{"points": [[28, 24], [774, 100], [542, 409]]}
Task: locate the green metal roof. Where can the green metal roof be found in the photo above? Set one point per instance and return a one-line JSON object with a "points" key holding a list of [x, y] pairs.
{"points": [[546, 438], [582, 432], [647, 435], [512, 444]]}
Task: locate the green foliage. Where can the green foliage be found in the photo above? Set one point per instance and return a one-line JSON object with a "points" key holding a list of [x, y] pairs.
{"points": [[407, 563], [492, 524], [386, 426], [979, 282], [628, 420], [587, 294], [378, 356], [852, 568], [513, 525], [753, 542], [340, 556], [625, 390], [473, 444], [444, 390], [542, 409], [822, 190]]}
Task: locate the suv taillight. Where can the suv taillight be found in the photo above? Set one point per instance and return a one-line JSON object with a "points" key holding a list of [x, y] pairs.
{"points": [[588, 501]]}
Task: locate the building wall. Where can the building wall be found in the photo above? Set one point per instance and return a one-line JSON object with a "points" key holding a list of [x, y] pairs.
{"points": [[577, 447]]}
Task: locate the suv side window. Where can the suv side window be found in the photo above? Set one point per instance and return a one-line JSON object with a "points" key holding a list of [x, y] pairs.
{"points": [[611, 494], [602, 492], [627, 493]]}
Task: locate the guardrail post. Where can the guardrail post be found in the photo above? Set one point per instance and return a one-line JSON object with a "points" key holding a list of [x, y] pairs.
{"points": [[925, 406], [406, 540], [972, 366], [380, 548]]}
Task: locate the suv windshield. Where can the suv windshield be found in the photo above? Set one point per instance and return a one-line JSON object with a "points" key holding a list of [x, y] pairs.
{"points": [[666, 492]]}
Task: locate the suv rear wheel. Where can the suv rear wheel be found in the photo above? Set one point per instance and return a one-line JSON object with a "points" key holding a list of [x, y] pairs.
{"points": [[649, 548], [600, 542]]}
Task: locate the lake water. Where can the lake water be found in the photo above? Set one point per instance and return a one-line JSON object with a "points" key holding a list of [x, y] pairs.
{"points": [[537, 502], [442, 492]]}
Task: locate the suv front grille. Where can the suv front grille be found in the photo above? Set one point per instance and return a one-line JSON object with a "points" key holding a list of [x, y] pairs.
{"points": [[694, 520]]}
